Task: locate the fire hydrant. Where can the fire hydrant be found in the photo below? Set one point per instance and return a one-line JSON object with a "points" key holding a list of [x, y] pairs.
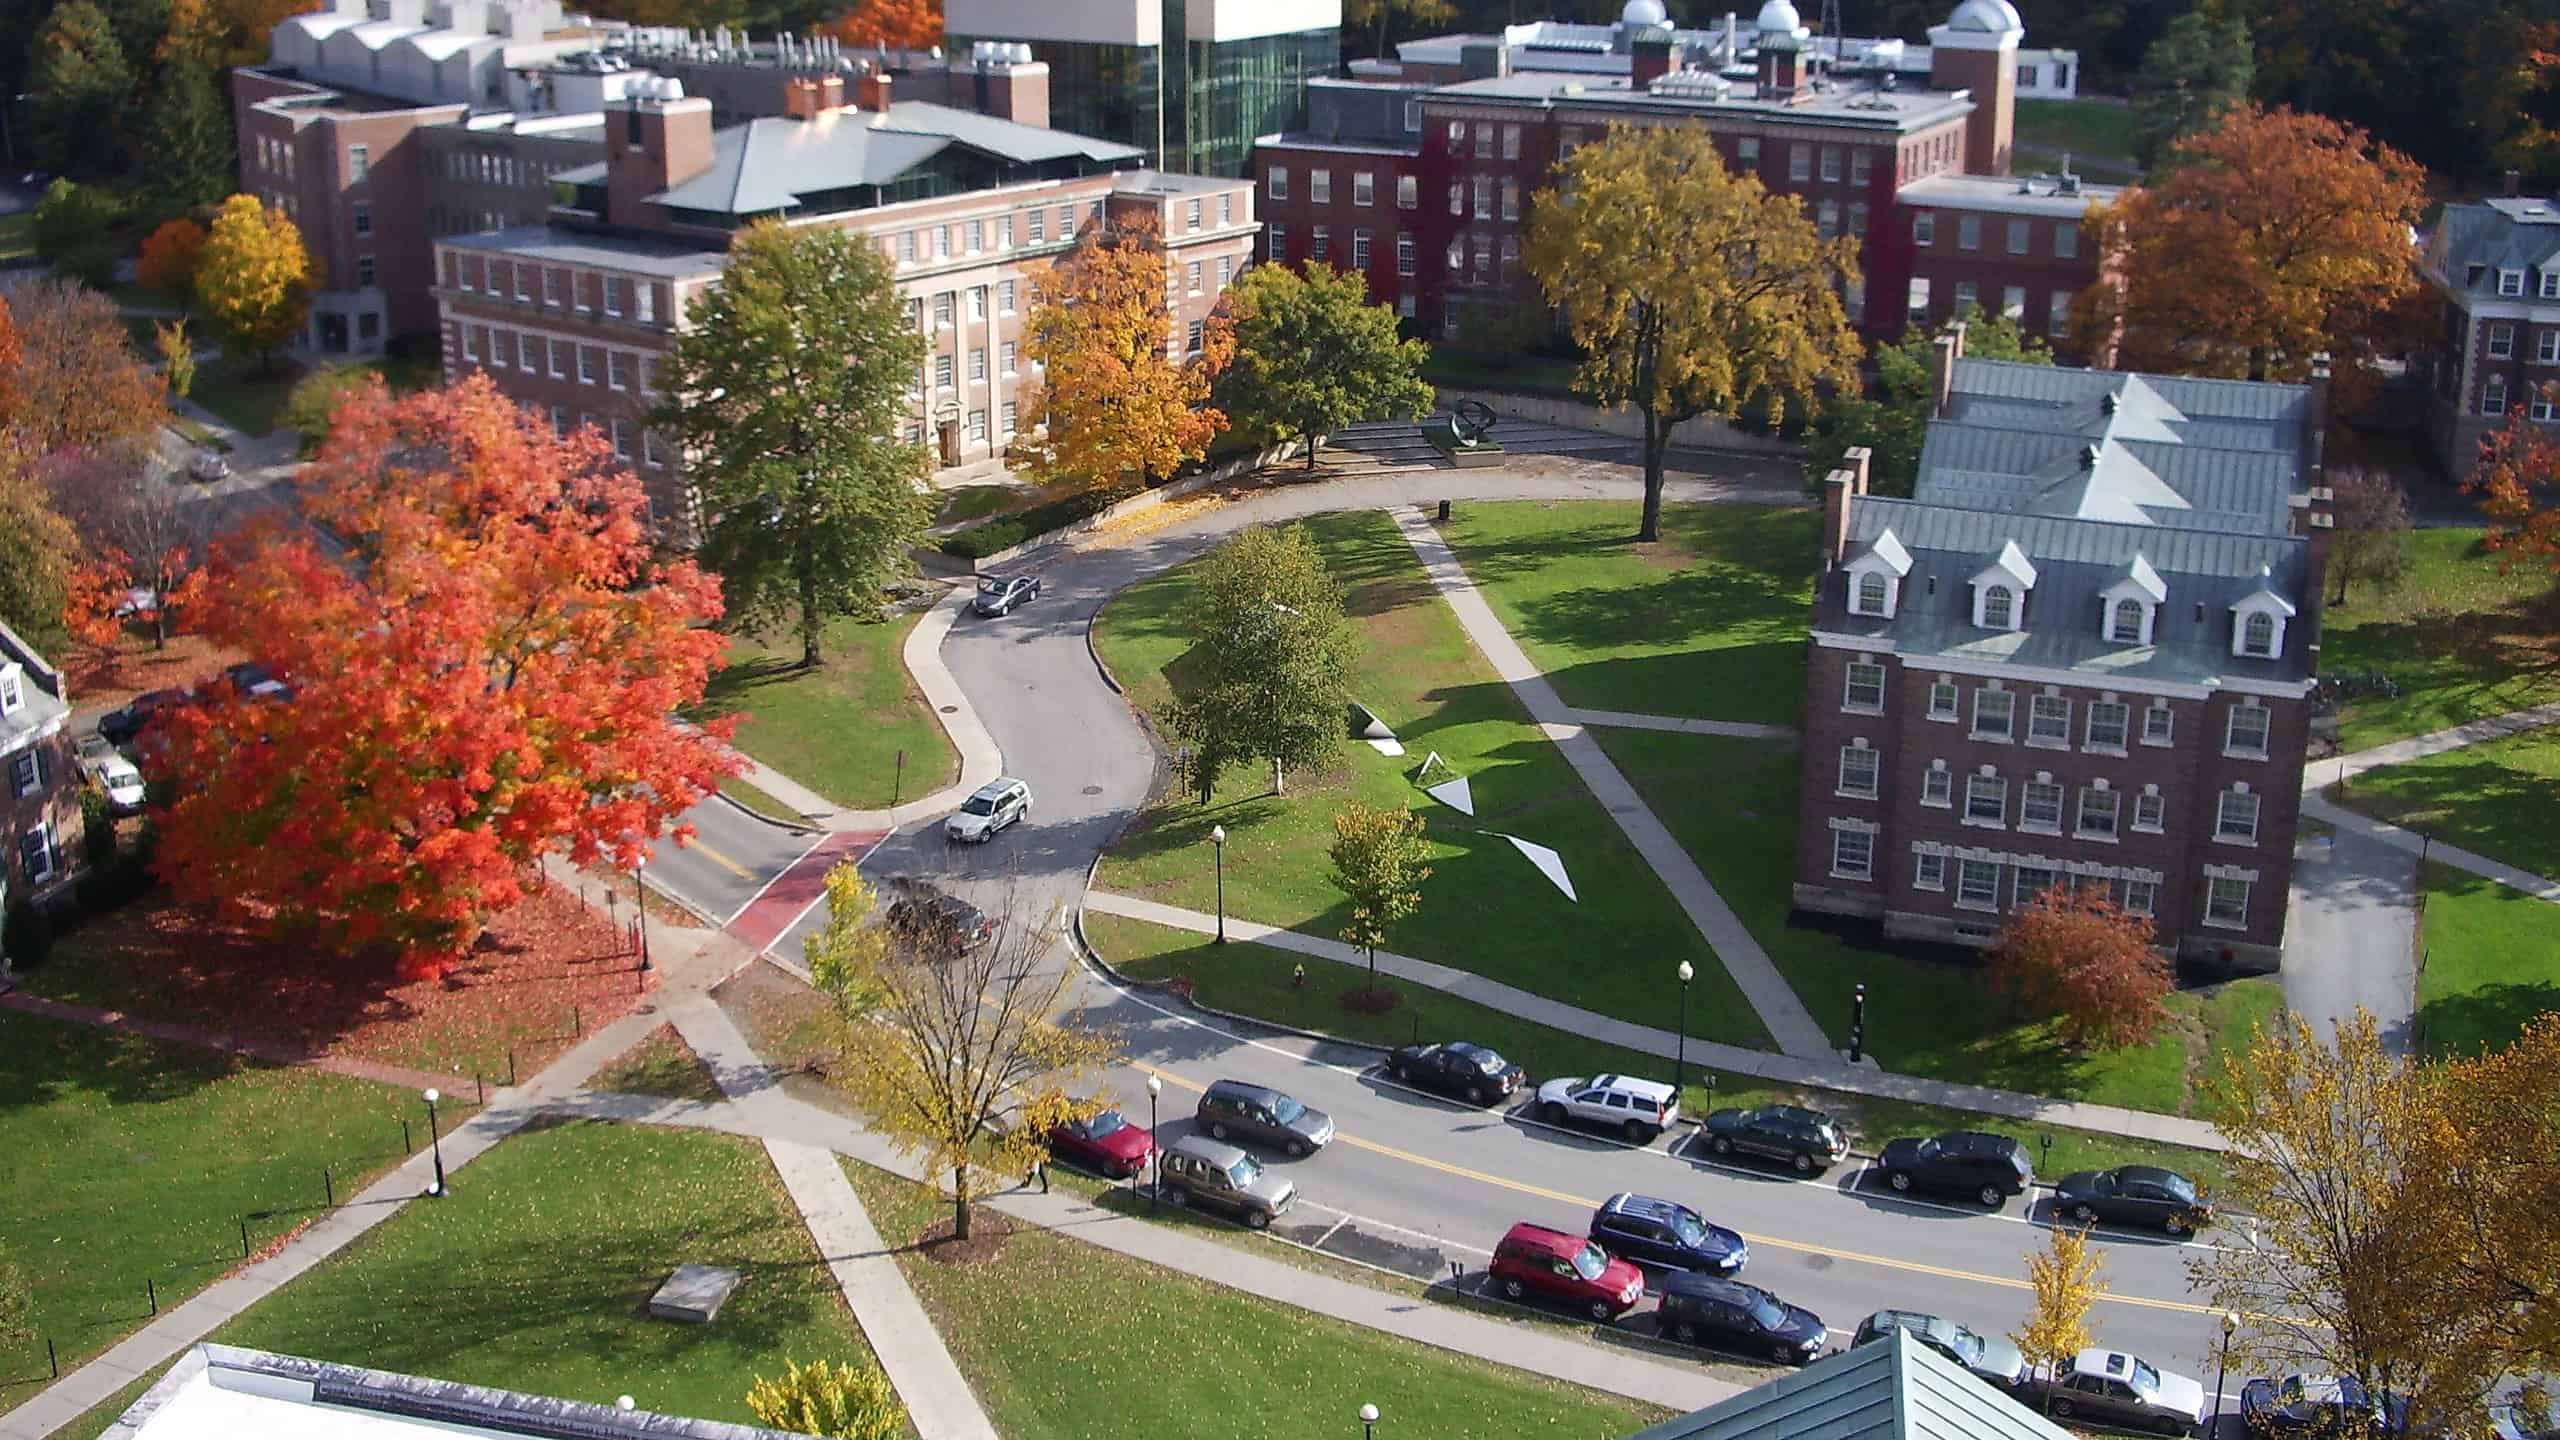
{"points": [[1298, 977]]}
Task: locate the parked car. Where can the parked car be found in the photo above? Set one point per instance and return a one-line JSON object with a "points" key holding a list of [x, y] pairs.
{"points": [[1809, 1140], [2526, 1414], [1457, 1069], [1104, 1143], [121, 727], [2111, 1387], [256, 681], [1668, 1235], [937, 924], [1730, 1315], [1988, 1168], [2323, 1405], [1200, 1171], [207, 466], [116, 778], [998, 594], [1988, 1356], [1257, 1112], [1639, 1109], [1533, 1260], [2133, 1195], [994, 806]]}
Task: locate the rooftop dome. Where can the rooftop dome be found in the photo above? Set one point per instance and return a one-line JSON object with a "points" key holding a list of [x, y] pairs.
{"points": [[1780, 18], [1643, 12], [1988, 16]]}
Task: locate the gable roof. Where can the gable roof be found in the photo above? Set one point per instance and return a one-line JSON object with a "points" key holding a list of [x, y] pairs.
{"points": [[2508, 233], [48, 697], [1890, 1389]]}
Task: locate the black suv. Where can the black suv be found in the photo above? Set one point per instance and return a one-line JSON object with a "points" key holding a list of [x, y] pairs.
{"points": [[1666, 1235], [1988, 1168], [1730, 1315], [1809, 1140]]}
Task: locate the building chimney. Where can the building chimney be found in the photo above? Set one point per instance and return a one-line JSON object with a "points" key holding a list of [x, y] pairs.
{"points": [[1649, 57], [2515, 183], [871, 91], [1859, 460], [807, 99], [1781, 71], [1839, 496], [1015, 89], [660, 138], [1943, 355]]}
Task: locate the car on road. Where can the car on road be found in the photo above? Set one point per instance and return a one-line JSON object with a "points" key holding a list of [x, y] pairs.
{"points": [[1104, 1143], [994, 806], [1808, 1140], [1727, 1314], [116, 778], [1456, 1069], [2110, 1387], [1534, 1261], [1987, 1356], [1638, 1109], [936, 924], [1200, 1171], [1666, 1235], [2133, 1195], [122, 727], [256, 681], [998, 594], [207, 466], [1232, 1108], [2322, 1405], [1988, 1168]]}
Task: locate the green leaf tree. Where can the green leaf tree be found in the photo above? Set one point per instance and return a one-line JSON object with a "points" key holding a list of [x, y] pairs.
{"points": [[79, 86], [254, 278], [2201, 67], [1378, 860], [1893, 421], [1313, 355], [845, 1402], [38, 550], [73, 228], [786, 398], [187, 157], [1692, 291], [1274, 660], [1373, 15]]}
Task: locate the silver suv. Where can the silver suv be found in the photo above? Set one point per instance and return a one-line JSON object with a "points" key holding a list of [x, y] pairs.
{"points": [[1201, 1171], [997, 804], [1638, 1109]]}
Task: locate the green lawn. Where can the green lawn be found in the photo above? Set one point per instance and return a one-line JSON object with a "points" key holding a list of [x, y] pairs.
{"points": [[18, 235], [2490, 964], [2499, 797], [240, 397], [535, 1275], [1254, 980], [837, 729], [129, 1160], [2097, 135], [661, 1064], [1066, 1340], [1485, 908], [974, 502], [1518, 372], [2461, 638], [1710, 622], [1737, 818], [756, 798]]}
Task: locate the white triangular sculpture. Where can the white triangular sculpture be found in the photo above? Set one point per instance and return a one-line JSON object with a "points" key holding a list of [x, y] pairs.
{"points": [[1389, 746], [1549, 863], [1454, 794], [1380, 738], [1428, 761]]}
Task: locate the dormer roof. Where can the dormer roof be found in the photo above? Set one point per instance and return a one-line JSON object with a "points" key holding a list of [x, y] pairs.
{"points": [[2137, 581], [2012, 565], [1884, 552]]}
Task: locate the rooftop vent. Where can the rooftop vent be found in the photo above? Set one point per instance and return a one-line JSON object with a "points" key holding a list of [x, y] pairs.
{"points": [[2088, 457]]}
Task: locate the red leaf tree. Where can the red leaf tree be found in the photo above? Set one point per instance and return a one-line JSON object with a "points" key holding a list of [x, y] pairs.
{"points": [[2074, 954], [490, 675], [2517, 466]]}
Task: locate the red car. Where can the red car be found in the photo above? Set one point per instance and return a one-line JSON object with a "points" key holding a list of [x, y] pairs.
{"points": [[1552, 1265], [1107, 1144]]}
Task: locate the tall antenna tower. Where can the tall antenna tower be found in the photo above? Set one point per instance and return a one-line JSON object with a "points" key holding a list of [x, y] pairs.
{"points": [[1831, 29]]}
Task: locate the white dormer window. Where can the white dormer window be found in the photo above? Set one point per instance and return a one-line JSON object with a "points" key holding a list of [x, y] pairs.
{"points": [[2510, 283], [13, 690], [2000, 590], [2551, 284], [1875, 595], [2127, 620], [1875, 576], [2258, 634], [2132, 604], [2257, 622]]}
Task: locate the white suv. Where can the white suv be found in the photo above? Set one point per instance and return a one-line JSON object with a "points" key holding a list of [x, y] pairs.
{"points": [[998, 803], [1641, 1109]]}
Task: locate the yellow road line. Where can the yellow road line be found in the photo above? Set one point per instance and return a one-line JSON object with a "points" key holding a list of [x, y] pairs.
{"points": [[723, 861]]}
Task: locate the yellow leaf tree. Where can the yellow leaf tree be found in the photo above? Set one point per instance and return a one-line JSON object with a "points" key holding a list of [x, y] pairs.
{"points": [[254, 278], [2483, 1168], [843, 1402], [960, 1055], [1122, 409], [1691, 290], [2064, 1280]]}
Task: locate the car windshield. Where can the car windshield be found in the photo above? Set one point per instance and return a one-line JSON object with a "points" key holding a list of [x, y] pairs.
{"points": [[1764, 1310], [1968, 1345], [978, 805], [1286, 1110], [1588, 1262], [2145, 1379], [1106, 1123], [993, 584], [2179, 1188], [1245, 1171], [1686, 1226], [1489, 1062]]}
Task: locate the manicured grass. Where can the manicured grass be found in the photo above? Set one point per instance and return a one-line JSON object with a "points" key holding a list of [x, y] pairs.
{"points": [[1518, 372], [661, 1064], [18, 235], [131, 1160], [1709, 622], [974, 502], [2499, 797], [2462, 638], [1182, 1356], [536, 1275], [1254, 980], [754, 797], [1485, 908], [2098, 136], [837, 729], [1736, 816], [241, 397], [2490, 965]]}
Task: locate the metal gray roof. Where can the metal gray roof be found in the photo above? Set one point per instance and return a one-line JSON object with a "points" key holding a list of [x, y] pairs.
{"points": [[629, 253], [1890, 1389], [48, 699], [2508, 233], [2005, 196], [768, 164], [1860, 107]]}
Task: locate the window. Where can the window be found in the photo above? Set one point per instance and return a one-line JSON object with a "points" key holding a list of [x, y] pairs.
{"points": [[2049, 720], [1226, 272], [1986, 800], [1322, 248], [362, 210], [613, 287], [1967, 296], [977, 365], [617, 370], [2159, 723], [1405, 307], [621, 439], [1929, 870], [2013, 301], [1827, 222], [1457, 197], [1858, 772], [1413, 116], [1484, 197], [1404, 254], [2546, 345], [2134, 897], [2247, 733], [1008, 295], [649, 452], [1191, 215], [942, 372], [2544, 408], [1484, 258], [26, 772], [35, 850], [1978, 884], [2227, 902], [1942, 700], [1038, 220], [1861, 165], [470, 340], [1831, 163], [1865, 689], [2148, 808], [2107, 720], [2493, 396], [559, 419], [2258, 634], [1999, 606], [1924, 228], [1937, 786], [527, 347], [364, 271], [978, 426], [1194, 336], [1853, 854], [551, 287], [1992, 710], [1871, 594], [1278, 235], [977, 302], [2235, 817], [1320, 187], [1484, 140], [1275, 185], [1968, 232], [1510, 142], [1364, 188], [1858, 218], [1006, 357], [1799, 161], [942, 309], [590, 360], [1408, 192], [2510, 283], [2018, 237], [2097, 813], [2124, 622], [2030, 882], [2502, 338], [1510, 199], [1193, 274], [2066, 240], [1011, 417], [942, 243], [2040, 807]]}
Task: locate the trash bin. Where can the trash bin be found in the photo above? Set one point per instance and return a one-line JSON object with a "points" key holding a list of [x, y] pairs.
{"points": [[1444, 512]]}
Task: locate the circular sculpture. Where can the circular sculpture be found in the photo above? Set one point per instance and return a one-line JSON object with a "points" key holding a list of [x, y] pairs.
{"points": [[1470, 419]]}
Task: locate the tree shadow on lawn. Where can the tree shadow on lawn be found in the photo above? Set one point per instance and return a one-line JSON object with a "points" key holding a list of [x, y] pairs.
{"points": [[53, 1062], [2459, 663], [1772, 543], [2488, 1018], [2474, 799]]}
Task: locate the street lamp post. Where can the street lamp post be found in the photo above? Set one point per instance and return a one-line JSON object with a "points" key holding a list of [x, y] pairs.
{"points": [[1680, 1064], [1155, 1087], [1857, 1023], [640, 898], [435, 1143], [2222, 1365], [1368, 1422], [1218, 837]]}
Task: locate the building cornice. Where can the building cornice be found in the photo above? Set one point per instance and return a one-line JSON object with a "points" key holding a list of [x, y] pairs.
{"points": [[2040, 675]]}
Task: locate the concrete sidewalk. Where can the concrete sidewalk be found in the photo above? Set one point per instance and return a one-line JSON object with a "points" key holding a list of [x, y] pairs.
{"points": [[2417, 747], [2409, 842], [1771, 997], [1785, 1069], [1676, 724], [2332, 807]]}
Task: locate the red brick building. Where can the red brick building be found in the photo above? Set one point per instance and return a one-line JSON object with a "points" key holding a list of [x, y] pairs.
{"points": [[2493, 270], [2083, 651], [39, 779]]}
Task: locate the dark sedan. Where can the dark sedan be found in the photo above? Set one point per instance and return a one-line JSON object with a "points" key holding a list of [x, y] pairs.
{"points": [[2133, 1195], [940, 925], [121, 727], [1988, 1168], [1106, 1144], [998, 594], [2327, 1405], [1457, 1069]]}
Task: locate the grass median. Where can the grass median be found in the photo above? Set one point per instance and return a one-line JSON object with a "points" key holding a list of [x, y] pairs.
{"points": [[2462, 637], [840, 728], [2500, 798], [2489, 966]]}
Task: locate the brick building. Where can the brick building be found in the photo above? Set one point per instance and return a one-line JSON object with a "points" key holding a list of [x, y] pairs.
{"points": [[573, 317], [2493, 268], [2084, 650], [1423, 178], [39, 778]]}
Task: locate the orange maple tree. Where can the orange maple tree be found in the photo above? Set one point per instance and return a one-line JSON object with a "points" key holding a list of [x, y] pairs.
{"points": [[168, 263], [897, 24], [491, 675], [2518, 464], [2072, 953], [2272, 237], [1121, 408], [74, 381]]}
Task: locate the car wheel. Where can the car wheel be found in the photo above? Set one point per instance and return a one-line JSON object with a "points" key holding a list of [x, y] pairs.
{"points": [[1899, 1180], [1512, 1290], [2085, 1214], [1599, 1310], [1721, 1145], [1991, 1197], [1638, 1133], [1804, 1164], [2061, 1408], [1257, 1220], [1552, 1113], [1783, 1353], [1176, 1196], [2175, 1225], [1685, 1333], [1218, 1130], [1394, 1069], [1296, 1148]]}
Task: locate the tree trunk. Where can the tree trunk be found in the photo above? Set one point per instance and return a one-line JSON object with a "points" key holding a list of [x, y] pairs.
{"points": [[811, 655], [1656, 439], [1381, 52], [1373, 971], [960, 1201], [1311, 449]]}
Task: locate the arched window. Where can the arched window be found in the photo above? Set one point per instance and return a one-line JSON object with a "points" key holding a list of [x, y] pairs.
{"points": [[1871, 590], [1997, 609], [2258, 634], [2125, 627]]}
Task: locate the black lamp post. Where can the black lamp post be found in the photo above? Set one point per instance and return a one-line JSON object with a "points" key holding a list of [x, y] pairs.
{"points": [[1155, 1191], [2222, 1366], [1368, 1422], [1680, 1062], [1857, 1023], [435, 1143], [640, 898], [1218, 837]]}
